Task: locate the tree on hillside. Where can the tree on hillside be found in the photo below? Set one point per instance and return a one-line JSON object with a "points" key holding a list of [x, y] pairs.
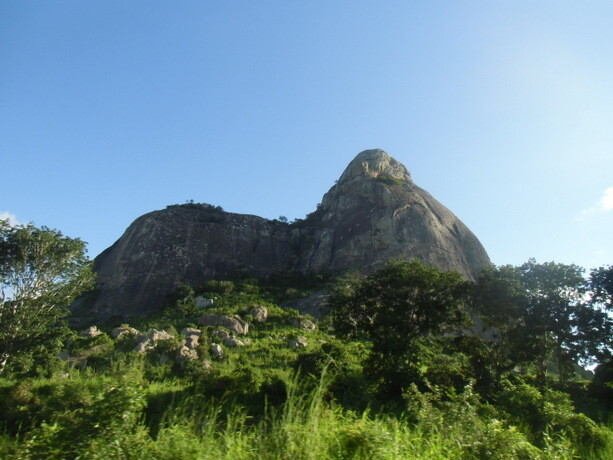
{"points": [[500, 342], [395, 307], [601, 290], [41, 273], [601, 286], [597, 326], [554, 295], [540, 313]]}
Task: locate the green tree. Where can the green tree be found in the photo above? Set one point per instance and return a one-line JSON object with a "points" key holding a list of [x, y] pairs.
{"points": [[41, 273], [394, 308], [500, 340], [596, 323], [601, 286], [555, 294], [541, 313]]}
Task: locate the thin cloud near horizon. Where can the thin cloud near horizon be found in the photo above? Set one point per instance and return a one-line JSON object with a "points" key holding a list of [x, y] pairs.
{"points": [[605, 204]]}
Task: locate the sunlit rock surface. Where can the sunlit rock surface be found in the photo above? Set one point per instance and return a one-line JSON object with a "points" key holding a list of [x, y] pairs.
{"points": [[373, 213]]}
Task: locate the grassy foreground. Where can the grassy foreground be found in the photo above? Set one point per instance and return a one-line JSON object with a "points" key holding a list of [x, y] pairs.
{"points": [[122, 414], [116, 418], [269, 399]]}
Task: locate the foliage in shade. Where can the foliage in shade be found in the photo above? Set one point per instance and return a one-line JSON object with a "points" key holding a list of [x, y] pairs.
{"points": [[601, 284], [393, 308]]}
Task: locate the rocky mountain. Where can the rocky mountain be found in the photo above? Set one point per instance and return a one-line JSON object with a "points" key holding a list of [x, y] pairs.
{"points": [[373, 213]]}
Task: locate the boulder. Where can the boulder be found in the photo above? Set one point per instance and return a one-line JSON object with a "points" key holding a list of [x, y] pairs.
{"points": [[123, 331], [191, 331], [303, 323], [91, 331], [191, 341], [192, 337], [232, 342], [202, 302], [259, 314], [149, 340], [298, 342], [156, 335], [234, 323], [221, 334], [185, 353], [144, 345], [216, 351]]}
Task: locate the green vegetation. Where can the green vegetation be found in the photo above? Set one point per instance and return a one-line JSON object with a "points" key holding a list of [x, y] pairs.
{"points": [[389, 180], [398, 370], [41, 273], [395, 309], [191, 204]]}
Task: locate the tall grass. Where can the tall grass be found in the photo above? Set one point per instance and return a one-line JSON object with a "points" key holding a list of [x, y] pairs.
{"points": [[307, 426], [122, 415]]}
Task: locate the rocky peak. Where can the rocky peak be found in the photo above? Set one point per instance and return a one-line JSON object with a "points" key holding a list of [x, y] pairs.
{"points": [[373, 213], [374, 164], [370, 174]]}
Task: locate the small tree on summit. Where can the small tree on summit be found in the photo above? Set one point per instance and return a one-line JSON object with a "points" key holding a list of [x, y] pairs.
{"points": [[41, 273]]}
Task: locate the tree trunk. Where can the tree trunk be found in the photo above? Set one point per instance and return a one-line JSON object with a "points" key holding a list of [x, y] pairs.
{"points": [[4, 357]]}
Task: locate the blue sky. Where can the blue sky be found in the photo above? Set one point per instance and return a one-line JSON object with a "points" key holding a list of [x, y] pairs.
{"points": [[503, 111]]}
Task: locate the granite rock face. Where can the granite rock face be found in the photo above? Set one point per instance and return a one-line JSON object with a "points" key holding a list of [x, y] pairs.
{"points": [[184, 245], [373, 213]]}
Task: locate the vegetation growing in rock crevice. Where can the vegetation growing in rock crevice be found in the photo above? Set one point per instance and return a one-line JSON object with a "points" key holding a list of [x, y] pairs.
{"points": [[389, 180]]}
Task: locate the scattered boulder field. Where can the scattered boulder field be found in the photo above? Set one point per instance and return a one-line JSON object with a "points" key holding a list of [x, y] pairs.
{"points": [[218, 333]]}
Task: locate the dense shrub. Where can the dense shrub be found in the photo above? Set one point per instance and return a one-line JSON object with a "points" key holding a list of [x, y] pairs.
{"points": [[95, 410], [547, 412]]}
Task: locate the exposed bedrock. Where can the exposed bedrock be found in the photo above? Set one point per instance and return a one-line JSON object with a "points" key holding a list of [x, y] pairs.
{"points": [[373, 213]]}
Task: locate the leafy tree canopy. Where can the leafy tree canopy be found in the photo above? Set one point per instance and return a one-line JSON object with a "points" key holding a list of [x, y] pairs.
{"points": [[41, 273], [539, 312], [394, 308], [402, 301], [601, 285]]}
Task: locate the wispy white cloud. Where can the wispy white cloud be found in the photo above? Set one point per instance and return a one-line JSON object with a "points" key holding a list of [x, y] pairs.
{"points": [[605, 204], [5, 215]]}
